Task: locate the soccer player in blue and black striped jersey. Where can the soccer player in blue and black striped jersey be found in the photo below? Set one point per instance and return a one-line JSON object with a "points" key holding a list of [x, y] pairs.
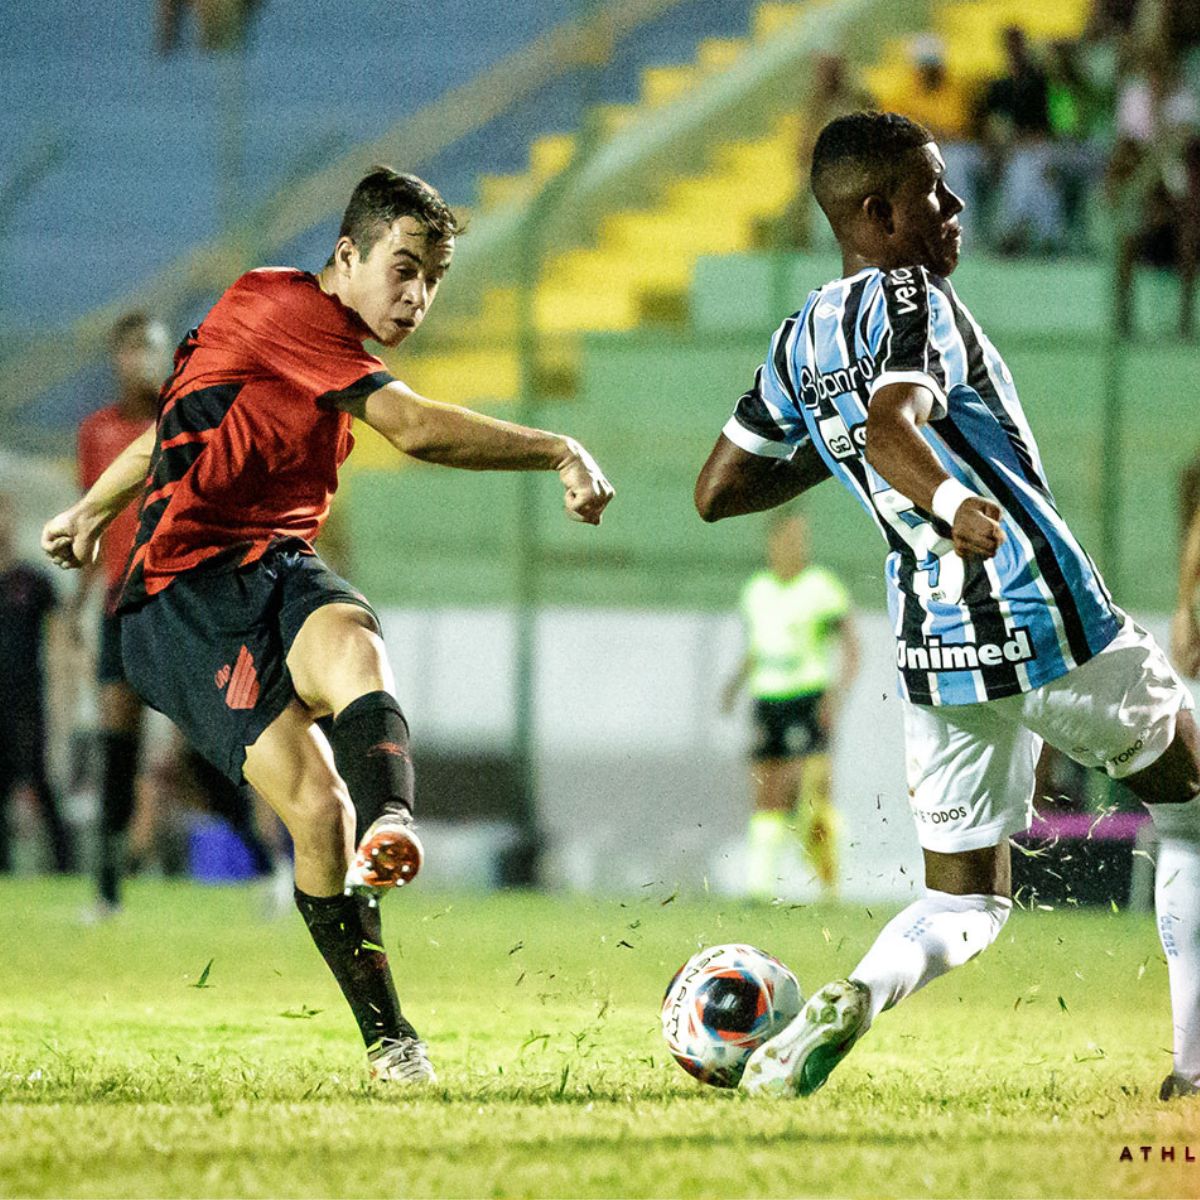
{"points": [[1005, 633]]}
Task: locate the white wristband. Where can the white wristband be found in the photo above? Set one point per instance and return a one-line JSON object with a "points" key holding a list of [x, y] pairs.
{"points": [[947, 498]]}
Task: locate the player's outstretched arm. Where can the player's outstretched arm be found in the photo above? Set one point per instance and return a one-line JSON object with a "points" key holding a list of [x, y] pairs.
{"points": [[902, 456], [72, 538], [734, 482], [458, 437]]}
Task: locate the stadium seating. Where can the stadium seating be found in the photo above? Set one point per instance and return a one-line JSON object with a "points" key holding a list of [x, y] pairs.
{"points": [[123, 207], [638, 263]]}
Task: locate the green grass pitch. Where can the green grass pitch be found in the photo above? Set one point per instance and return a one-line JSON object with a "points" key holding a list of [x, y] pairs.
{"points": [[1025, 1073]]}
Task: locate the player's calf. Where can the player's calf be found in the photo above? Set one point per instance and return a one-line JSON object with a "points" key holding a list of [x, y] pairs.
{"points": [[371, 749], [348, 932]]}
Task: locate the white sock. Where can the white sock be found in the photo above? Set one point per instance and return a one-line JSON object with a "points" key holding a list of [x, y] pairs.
{"points": [[1177, 905], [927, 939]]}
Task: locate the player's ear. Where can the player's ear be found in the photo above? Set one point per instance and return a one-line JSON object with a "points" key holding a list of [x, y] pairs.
{"points": [[878, 212], [345, 254]]}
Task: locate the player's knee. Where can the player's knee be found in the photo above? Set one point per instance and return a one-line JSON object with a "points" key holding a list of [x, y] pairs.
{"points": [[327, 682]]}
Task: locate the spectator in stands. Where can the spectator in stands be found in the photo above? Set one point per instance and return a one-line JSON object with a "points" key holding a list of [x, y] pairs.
{"points": [[222, 24], [801, 658], [1016, 126], [833, 92], [27, 600], [1153, 181], [1079, 106], [931, 95]]}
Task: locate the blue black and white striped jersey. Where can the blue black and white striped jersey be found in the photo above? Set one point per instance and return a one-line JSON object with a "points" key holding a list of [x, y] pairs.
{"points": [[966, 630]]}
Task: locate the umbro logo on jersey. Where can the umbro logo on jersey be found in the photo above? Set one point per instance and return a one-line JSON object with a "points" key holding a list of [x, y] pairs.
{"points": [[242, 678], [936, 655], [391, 749]]}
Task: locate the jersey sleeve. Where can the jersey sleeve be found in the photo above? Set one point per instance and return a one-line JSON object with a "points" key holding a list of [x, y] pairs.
{"points": [[766, 419], [912, 334], [298, 333]]}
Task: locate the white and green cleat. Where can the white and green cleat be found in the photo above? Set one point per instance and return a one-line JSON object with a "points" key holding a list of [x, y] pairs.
{"points": [[797, 1061], [401, 1060]]}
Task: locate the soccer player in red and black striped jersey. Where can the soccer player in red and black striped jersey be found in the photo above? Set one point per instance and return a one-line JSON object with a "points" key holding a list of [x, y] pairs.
{"points": [[232, 626]]}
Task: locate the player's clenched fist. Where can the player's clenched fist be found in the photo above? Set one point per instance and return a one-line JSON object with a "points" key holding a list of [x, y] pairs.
{"points": [[587, 489], [976, 530], [71, 539]]}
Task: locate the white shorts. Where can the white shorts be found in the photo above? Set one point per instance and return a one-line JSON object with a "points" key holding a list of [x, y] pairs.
{"points": [[971, 767]]}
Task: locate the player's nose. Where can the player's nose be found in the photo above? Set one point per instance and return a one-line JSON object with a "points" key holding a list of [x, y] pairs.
{"points": [[416, 294]]}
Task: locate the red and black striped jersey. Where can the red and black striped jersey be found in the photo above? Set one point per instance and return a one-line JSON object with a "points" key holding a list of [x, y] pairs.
{"points": [[250, 434]]}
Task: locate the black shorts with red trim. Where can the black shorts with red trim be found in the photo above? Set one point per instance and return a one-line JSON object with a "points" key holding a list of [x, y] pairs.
{"points": [[210, 651]]}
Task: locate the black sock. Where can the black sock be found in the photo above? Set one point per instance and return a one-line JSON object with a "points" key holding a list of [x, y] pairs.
{"points": [[370, 748], [119, 763], [349, 935]]}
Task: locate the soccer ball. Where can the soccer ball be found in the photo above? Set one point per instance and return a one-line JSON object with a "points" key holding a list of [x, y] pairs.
{"points": [[722, 1004]]}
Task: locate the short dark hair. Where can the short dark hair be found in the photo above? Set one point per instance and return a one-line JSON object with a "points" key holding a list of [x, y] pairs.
{"points": [[127, 324], [861, 153], [383, 196]]}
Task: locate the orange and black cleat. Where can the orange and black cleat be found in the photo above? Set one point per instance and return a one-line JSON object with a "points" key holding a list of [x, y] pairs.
{"points": [[389, 855]]}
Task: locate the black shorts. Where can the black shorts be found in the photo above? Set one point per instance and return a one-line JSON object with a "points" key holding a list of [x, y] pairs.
{"points": [[788, 728], [109, 668], [211, 650]]}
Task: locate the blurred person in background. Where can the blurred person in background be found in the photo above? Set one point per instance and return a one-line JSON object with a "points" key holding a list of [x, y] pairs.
{"points": [[1153, 181], [933, 96], [134, 821], [833, 91], [1015, 113], [221, 24], [1185, 628], [27, 602], [1079, 105], [140, 357], [801, 659]]}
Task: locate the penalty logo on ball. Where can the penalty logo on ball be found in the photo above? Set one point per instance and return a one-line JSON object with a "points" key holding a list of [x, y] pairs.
{"points": [[721, 1005]]}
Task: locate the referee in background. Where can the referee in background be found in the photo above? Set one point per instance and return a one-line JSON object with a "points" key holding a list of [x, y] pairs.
{"points": [[801, 657]]}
